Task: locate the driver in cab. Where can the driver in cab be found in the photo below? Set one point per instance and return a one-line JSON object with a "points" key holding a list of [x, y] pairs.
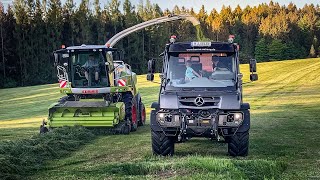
{"points": [[92, 64], [190, 73]]}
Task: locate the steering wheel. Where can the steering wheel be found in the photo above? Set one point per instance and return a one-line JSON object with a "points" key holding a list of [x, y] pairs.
{"points": [[80, 70], [223, 69]]}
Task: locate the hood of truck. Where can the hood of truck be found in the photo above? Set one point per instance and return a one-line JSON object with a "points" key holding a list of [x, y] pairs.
{"points": [[200, 100]]}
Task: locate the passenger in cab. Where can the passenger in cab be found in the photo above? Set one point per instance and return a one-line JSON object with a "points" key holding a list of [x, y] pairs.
{"points": [[190, 73]]}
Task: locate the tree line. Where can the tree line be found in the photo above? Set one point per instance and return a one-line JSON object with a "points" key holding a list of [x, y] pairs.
{"points": [[31, 29]]}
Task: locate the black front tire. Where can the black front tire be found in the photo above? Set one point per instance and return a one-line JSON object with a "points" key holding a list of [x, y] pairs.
{"points": [[238, 144], [162, 144], [126, 128]]}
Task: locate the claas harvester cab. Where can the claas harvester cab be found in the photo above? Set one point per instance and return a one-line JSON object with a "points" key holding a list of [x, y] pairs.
{"points": [[200, 96], [101, 90]]}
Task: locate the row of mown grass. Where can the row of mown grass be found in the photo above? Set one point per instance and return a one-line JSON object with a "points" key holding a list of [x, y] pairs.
{"points": [[24, 157]]}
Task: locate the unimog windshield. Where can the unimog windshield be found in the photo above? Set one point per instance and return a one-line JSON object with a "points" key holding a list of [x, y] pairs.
{"points": [[205, 69]]}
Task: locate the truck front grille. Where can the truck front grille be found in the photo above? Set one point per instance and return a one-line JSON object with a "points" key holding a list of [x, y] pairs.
{"points": [[207, 101]]}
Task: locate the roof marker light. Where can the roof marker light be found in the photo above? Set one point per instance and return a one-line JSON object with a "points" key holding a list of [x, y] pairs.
{"points": [[173, 39], [231, 38]]}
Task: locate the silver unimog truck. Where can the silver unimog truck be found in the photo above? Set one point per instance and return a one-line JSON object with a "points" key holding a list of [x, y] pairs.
{"points": [[200, 96]]}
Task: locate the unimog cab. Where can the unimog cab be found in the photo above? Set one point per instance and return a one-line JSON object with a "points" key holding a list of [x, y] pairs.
{"points": [[200, 96], [100, 90]]}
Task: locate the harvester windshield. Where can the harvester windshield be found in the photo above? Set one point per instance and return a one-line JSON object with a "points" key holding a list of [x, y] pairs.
{"points": [[201, 69], [88, 69], [84, 67]]}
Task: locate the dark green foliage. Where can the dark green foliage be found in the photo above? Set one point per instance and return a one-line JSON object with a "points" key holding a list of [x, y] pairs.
{"points": [[276, 50], [23, 157], [261, 50], [34, 28]]}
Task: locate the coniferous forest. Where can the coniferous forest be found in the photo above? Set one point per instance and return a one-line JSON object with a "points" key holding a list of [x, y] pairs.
{"points": [[31, 29]]}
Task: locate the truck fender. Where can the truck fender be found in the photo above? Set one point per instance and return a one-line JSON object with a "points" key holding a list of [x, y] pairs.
{"points": [[245, 106], [153, 121], [245, 126], [155, 105]]}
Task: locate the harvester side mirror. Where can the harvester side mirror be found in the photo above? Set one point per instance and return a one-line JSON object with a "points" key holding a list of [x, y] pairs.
{"points": [[253, 65], [55, 59], [253, 77], [161, 76]]}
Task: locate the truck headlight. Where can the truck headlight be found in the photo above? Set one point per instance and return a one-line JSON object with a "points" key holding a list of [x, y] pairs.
{"points": [[238, 116], [231, 119], [161, 118], [161, 115], [166, 119]]}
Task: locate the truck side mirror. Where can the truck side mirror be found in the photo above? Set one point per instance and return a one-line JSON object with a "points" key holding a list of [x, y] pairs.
{"points": [[253, 69], [253, 77], [151, 69], [151, 66], [253, 65]]}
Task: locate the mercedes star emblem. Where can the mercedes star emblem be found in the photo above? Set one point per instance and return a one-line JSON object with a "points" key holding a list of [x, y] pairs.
{"points": [[199, 101]]}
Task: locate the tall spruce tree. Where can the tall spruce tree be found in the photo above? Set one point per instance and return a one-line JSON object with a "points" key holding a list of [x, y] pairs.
{"points": [[261, 50]]}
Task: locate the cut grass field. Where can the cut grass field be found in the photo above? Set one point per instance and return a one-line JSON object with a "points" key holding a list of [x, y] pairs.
{"points": [[284, 135]]}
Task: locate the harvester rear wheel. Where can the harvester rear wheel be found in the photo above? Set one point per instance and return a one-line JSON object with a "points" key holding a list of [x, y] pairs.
{"points": [[134, 123], [131, 110], [142, 114]]}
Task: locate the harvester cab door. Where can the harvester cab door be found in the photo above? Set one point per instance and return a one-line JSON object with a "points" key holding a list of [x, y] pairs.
{"points": [[62, 64]]}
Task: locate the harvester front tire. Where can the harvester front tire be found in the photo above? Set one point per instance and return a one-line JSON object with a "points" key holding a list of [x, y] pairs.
{"points": [[238, 144], [126, 128], [161, 144]]}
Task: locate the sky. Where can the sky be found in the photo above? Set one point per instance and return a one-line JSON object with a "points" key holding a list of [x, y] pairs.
{"points": [[209, 4]]}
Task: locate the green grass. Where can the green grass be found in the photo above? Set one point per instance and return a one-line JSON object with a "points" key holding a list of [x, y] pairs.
{"points": [[284, 135]]}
